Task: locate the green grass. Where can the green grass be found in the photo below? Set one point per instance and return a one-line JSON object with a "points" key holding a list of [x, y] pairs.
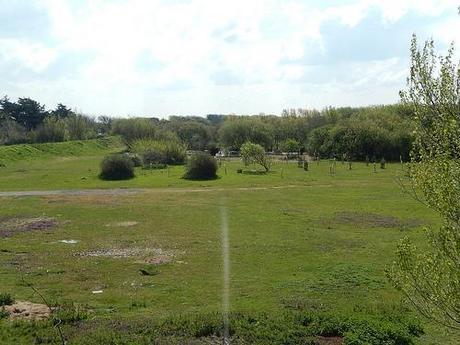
{"points": [[290, 248], [15, 153]]}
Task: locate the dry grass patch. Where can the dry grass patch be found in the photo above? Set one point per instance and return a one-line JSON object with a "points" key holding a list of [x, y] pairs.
{"points": [[125, 224], [373, 220], [12, 226], [154, 256]]}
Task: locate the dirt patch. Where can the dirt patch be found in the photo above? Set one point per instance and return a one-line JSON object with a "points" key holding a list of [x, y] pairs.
{"points": [[27, 311], [374, 220], [12, 226], [125, 224], [153, 256], [97, 200], [329, 340]]}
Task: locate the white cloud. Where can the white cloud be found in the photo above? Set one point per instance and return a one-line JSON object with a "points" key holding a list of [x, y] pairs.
{"points": [[21, 53], [205, 52]]}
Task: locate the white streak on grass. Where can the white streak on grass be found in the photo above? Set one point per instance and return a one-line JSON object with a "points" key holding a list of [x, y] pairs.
{"points": [[225, 273]]}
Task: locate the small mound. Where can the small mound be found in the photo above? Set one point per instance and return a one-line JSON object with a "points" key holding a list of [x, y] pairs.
{"points": [[374, 220], [27, 311], [12, 226]]}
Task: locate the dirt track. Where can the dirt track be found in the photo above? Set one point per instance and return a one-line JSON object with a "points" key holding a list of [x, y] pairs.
{"points": [[122, 191]]}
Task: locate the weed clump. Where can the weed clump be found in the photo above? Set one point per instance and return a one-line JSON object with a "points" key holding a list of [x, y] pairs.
{"points": [[201, 166], [6, 299], [117, 167]]}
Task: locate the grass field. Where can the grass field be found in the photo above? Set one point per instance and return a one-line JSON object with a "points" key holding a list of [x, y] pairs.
{"points": [[302, 241]]}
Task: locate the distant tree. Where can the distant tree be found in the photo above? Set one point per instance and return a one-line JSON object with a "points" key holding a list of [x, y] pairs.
{"points": [[235, 131], [62, 111], [290, 145], [134, 128], [104, 124], [255, 153], [29, 113], [430, 277]]}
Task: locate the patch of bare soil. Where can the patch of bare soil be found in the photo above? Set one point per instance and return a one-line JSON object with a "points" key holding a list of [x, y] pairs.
{"points": [[12, 226], [98, 200], [329, 340], [374, 220], [154, 256], [27, 311]]}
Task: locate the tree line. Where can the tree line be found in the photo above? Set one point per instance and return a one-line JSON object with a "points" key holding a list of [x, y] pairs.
{"points": [[354, 133]]}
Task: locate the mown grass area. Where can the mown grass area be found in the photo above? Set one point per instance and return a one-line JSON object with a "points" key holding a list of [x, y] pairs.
{"points": [[307, 254]]}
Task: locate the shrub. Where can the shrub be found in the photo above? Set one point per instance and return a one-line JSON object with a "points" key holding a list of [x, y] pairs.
{"points": [[159, 151], [133, 129], [201, 166], [80, 127], [153, 157], [52, 129], [137, 161], [12, 133], [6, 299], [117, 167]]}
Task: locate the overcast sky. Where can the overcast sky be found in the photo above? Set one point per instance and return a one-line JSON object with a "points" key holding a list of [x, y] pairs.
{"points": [[157, 58]]}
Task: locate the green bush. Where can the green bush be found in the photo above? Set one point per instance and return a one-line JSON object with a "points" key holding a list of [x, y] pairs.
{"points": [[133, 129], [52, 129], [201, 166], [159, 151], [117, 167], [6, 299], [135, 158]]}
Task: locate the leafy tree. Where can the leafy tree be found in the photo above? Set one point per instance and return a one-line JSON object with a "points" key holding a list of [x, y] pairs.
{"points": [[255, 153], [290, 145], [62, 111], [430, 277], [28, 113], [195, 134], [235, 131]]}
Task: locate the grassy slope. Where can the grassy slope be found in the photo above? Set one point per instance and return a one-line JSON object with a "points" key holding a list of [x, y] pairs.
{"points": [[16, 153]]}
